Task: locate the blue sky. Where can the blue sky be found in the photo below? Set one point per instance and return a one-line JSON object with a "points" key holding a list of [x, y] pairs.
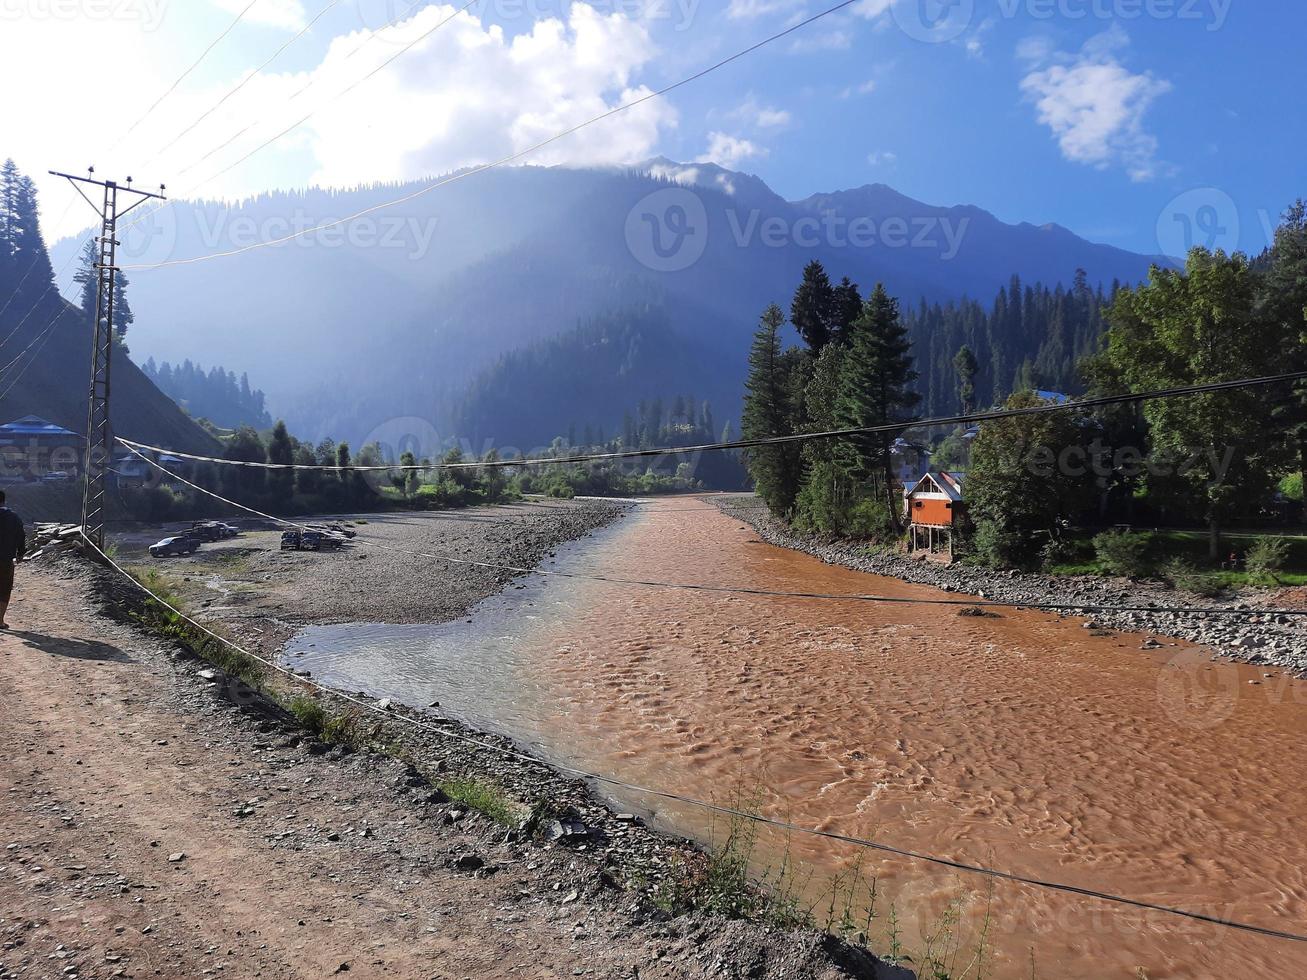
{"points": [[1142, 123]]}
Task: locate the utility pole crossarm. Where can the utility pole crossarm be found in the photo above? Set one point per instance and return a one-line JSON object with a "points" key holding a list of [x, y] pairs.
{"points": [[99, 435]]}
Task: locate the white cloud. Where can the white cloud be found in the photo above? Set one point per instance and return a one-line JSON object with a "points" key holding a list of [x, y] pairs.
{"points": [[871, 9], [833, 40], [882, 158], [728, 151], [866, 88], [288, 14], [751, 9], [751, 112], [1094, 105], [466, 95]]}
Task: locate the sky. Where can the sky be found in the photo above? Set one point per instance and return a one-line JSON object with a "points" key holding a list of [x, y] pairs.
{"points": [[1152, 125]]}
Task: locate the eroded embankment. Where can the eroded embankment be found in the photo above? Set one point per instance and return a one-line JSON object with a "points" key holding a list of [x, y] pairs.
{"points": [[1255, 638]]}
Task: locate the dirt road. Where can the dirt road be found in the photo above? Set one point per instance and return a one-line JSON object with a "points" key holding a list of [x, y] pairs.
{"points": [[148, 828]]}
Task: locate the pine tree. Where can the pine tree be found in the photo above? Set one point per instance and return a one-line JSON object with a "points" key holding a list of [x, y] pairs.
{"points": [[813, 309], [767, 413], [876, 389], [964, 363], [847, 307], [281, 450], [87, 277]]}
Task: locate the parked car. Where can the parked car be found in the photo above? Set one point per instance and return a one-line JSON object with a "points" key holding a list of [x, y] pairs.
{"points": [[212, 530], [309, 540], [317, 540], [180, 544]]}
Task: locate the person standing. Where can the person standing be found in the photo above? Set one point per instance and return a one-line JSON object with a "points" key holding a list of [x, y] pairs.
{"points": [[12, 545]]}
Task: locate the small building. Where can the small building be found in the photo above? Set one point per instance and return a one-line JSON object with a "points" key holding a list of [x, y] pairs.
{"points": [[32, 447], [910, 460], [129, 470], [934, 508]]}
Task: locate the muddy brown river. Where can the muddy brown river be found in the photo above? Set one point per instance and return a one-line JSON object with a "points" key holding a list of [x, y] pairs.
{"points": [[1022, 742]]}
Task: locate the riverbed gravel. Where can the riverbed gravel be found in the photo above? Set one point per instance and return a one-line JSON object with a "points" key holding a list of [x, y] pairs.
{"points": [[1259, 637]]}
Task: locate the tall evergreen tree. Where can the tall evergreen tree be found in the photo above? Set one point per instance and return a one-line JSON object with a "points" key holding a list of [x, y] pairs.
{"points": [[846, 308], [813, 309], [964, 363], [775, 469], [876, 389], [281, 450]]}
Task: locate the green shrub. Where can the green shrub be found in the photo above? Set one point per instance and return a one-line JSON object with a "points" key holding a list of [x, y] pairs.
{"points": [[1291, 486], [1267, 558], [308, 712], [1000, 547], [1183, 574], [1123, 553], [1059, 551]]}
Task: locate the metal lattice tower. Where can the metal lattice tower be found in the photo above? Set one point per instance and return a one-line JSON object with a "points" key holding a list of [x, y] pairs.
{"points": [[99, 433]]}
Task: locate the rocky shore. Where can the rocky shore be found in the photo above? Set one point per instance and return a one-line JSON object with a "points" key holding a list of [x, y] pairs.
{"points": [[1257, 638]]}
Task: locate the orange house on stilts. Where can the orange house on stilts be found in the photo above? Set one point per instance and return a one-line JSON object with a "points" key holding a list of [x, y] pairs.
{"points": [[934, 508]]}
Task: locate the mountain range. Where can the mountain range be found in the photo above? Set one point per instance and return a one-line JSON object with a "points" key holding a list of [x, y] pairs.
{"points": [[422, 309]]}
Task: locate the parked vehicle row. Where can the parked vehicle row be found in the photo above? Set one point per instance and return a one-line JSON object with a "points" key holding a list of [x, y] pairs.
{"points": [[189, 541], [310, 540]]}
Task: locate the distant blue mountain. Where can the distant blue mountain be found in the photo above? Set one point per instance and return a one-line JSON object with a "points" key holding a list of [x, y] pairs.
{"points": [[399, 312]]}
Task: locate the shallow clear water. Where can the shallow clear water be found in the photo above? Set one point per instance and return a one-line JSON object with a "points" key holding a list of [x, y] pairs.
{"points": [[1020, 742]]}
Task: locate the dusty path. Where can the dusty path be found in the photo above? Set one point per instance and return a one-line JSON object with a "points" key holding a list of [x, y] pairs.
{"points": [[117, 760]]}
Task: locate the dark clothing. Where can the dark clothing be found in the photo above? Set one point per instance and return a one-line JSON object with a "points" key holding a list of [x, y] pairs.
{"points": [[6, 581], [12, 540]]}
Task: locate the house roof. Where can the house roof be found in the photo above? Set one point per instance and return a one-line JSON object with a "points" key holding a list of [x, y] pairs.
{"points": [[949, 484], [32, 425]]}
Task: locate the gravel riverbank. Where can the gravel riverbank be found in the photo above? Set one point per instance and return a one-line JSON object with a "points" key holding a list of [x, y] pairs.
{"points": [[1257, 638]]}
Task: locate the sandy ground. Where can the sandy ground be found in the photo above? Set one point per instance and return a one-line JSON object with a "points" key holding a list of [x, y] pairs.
{"points": [[268, 594], [152, 828]]}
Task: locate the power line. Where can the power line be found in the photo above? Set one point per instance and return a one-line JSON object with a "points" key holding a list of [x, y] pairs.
{"points": [[704, 804], [182, 77], [243, 82], [799, 437], [517, 155], [339, 95], [731, 589], [49, 332], [372, 35], [36, 260]]}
